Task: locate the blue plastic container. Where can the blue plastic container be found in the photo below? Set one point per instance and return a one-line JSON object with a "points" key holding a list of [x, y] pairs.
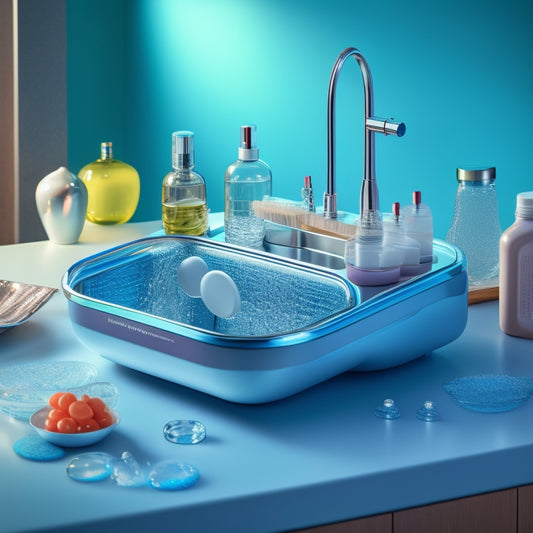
{"points": [[298, 324]]}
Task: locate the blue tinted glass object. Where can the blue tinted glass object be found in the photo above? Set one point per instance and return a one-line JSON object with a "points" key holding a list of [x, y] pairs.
{"points": [[184, 431], [92, 466], [428, 412], [127, 472], [387, 410], [172, 475]]}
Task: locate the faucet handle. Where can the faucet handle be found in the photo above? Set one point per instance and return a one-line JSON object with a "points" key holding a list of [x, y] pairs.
{"points": [[386, 126]]}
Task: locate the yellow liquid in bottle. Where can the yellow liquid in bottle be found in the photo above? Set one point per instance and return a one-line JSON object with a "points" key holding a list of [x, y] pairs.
{"points": [[113, 188], [187, 217]]}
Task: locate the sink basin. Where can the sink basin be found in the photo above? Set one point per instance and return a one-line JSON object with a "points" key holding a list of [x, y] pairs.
{"points": [[299, 324], [307, 246]]}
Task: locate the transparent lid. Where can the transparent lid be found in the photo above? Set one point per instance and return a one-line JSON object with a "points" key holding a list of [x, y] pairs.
{"points": [[183, 149]]}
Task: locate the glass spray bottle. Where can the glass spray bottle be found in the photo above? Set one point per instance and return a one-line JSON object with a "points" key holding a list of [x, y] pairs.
{"points": [[184, 196]]}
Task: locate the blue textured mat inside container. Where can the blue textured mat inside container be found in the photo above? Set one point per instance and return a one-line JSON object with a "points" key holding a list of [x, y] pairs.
{"points": [[490, 393], [274, 298]]}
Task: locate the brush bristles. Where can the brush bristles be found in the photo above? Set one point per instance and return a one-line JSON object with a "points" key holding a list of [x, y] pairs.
{"points": [[290, 214], [279, 212]]}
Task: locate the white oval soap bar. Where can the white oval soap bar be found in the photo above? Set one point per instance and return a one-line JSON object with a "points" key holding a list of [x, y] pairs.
{"points": [[220, 294], [190, 274]]}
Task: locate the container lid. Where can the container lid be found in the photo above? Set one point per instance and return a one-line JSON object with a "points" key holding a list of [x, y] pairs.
{"points": [[248, 150], [476, 174], [524, 205], [183, 149]]}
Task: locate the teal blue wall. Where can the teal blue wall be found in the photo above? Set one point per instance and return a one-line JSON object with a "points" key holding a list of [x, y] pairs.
{"points": [[97, 35], [458, 73]]}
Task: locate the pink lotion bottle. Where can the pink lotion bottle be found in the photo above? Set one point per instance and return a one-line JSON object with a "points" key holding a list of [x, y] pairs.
{"points": [[516, 271]]}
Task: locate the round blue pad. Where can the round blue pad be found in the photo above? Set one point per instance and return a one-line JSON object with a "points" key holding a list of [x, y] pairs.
{"points": [[35, 448]]}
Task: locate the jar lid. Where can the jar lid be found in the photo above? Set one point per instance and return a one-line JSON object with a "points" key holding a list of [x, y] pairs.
{"points": [[476, 174]]}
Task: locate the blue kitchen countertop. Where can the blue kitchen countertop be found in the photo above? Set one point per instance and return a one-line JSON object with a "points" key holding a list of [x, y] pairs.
{"points": [[318, 457]]}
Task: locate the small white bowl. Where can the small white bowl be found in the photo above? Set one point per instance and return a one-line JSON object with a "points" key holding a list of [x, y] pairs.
{"points": [[70, 440]]}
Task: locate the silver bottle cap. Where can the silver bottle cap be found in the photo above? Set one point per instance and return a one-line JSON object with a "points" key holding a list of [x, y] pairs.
{"points": [[248, 150], [476, 174], [183, 149]]}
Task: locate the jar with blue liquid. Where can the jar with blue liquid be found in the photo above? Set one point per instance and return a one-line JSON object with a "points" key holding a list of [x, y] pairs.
{"points": [[475, 228]]}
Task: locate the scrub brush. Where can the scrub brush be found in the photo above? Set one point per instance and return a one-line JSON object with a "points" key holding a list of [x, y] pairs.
{"points": [[280, 211], [292, 214]]}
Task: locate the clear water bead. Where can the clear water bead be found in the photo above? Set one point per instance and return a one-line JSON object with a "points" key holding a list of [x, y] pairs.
{"points": [[93, 466], [388, 410], [184, 431], [428, 412], [127, 472], [171, 475]]}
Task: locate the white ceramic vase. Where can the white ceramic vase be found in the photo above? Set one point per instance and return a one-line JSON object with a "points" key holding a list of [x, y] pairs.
{"points": [[61, 199]]}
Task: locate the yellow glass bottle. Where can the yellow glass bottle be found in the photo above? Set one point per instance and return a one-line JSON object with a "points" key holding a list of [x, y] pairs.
{"points": [[113, 188]]}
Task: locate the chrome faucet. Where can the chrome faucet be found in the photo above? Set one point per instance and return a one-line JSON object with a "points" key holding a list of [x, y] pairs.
{"points": [[369, 190]]}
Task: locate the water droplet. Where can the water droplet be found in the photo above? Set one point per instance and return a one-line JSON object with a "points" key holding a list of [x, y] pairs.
{"points": [[388, 410], [184, 431], [127, 472], [36, 448], [428, 412], [93, 466], [171, 475]]}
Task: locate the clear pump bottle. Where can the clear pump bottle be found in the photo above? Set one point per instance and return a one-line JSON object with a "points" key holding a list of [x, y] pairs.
{"points": [[184, 195], [247, 180], [516, 271]]}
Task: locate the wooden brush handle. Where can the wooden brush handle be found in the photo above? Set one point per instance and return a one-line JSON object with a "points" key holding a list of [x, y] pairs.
{"points": [[483, 295]]}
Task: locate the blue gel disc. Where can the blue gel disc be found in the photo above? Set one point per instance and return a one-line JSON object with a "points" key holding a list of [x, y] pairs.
{"points": [[184, 431], [92, 466], [35, 448], [171, 475], [490, 393]]}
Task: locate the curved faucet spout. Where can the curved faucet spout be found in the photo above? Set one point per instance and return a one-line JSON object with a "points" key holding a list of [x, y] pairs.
{"points": [[369, 190]]}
